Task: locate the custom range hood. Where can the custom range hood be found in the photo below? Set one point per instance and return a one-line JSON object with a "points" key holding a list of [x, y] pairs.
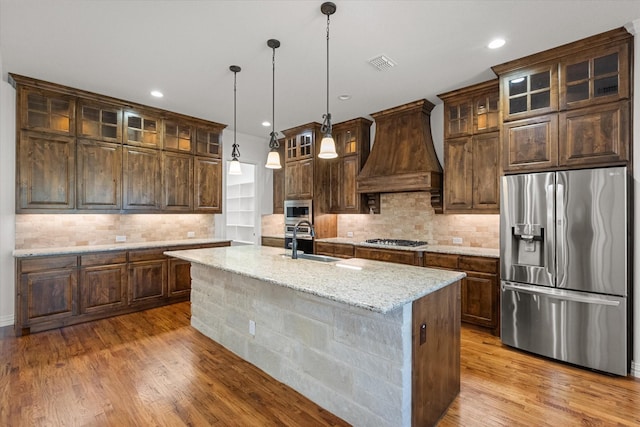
{"points": [[402, 157]]}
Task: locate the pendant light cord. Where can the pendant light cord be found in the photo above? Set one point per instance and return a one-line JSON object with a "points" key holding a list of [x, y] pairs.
{"points": [[274, 141], [235, 152], [326, 124]]}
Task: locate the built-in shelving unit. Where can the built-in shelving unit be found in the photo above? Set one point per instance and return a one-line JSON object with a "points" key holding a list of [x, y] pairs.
{"points": [[241, 206]]}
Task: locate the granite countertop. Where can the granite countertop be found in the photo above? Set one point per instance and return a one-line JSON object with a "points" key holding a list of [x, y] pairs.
{"points": [[372, 285], [24, 253], [443, 249]]}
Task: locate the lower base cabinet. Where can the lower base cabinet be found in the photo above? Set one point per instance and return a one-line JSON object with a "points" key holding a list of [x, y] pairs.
{"points": [[480, 289], [56, 291]]}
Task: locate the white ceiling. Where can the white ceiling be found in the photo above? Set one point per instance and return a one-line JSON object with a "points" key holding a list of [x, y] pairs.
{"points": [[125, 48]]}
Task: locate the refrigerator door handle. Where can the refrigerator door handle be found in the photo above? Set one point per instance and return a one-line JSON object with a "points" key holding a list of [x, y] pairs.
{"points": [[561, 244], [550, 236], [559, 294]]}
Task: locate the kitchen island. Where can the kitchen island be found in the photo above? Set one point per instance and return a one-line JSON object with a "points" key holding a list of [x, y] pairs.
{"points": [[375, 343]]}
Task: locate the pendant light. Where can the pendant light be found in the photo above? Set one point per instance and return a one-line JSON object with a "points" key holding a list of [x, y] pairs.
{"points": [[273, 158], [327, 145], [234, 164]]}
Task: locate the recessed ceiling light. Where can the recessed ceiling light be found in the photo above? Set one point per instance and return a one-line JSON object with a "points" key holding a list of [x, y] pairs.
{"points": [[496, 43], [266, 123], [157, 93], [344, 97]]}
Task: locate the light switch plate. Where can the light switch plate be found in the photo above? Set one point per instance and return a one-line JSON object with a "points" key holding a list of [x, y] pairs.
{"points": [[120, 239], [457, 240], [349, 233], [191, 234]]}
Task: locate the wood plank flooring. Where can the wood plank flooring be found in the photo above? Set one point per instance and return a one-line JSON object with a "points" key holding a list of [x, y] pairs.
{"points": [[152, 369]]}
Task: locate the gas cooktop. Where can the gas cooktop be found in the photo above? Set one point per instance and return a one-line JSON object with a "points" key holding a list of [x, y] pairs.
{"points": [[396, 242]]}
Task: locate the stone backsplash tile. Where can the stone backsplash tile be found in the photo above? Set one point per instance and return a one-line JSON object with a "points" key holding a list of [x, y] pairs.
{"points": [[51, 230], [410, 216]]}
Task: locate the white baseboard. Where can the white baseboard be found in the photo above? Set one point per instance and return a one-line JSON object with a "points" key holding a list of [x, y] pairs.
{"points": [[7, 320], [635, 369]]}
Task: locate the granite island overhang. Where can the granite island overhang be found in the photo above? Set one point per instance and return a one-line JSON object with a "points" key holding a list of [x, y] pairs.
{"points": [[373, 342]]}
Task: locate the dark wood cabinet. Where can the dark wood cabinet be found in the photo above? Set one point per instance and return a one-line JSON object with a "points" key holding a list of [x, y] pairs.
{"points": [[142, 129], [480, 289], [340, 250], [148, 276], [472, 149], [103, 282], [207, 185], [178, 136], [99, 121], [46, 172], [397, 256], [99, 172], [531, 144], [55, 291], [208, 141], [45, 292], [177, 182], [300, 165], [179, 277], [595, 135], [274, 242], [352, 140], [568, 107], [79, 151], [141, 184], [46, 111]]}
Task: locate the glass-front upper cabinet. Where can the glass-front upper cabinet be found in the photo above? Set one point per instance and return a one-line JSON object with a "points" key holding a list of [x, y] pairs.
{"points": [[142, 130], [530, 92], [177, 136], [99, 121], [208, 141], [596, 76], [486, 109], [458, 118], [47, 111]]}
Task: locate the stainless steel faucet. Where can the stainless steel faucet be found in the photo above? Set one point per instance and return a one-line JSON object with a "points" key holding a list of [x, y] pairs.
{"points": [[294, 239]]}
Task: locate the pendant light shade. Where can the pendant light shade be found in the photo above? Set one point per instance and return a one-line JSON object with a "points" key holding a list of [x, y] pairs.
{"points": [[273, 158], [234, 164], [327, 145]]}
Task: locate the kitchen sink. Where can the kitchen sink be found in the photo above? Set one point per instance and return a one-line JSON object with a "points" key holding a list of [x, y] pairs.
{"points": [[320, 258]]}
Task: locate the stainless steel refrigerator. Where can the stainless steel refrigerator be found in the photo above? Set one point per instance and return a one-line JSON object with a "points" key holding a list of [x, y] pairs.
{"points": [[564, 266]]}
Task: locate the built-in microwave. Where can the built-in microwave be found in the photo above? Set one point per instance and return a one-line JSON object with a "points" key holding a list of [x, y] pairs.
{"points": [[297, 210]]}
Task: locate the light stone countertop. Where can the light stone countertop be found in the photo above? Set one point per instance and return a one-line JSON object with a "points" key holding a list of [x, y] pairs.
{"points": [[372, 285], [25, 253], [443, 249]]}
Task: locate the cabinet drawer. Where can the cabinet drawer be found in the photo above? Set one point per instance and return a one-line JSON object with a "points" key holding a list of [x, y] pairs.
{"points": [[441, 260], [343, 250], [275, 242], [147, 254], [400, 257], [335, 249], [479, 264], [48, 263], [103, 258]]}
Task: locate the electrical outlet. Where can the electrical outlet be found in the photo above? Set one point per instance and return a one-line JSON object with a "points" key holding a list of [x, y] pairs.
{"points": [[349, 233], [191, 234], [120, 239], [252, 328], [457, 240]]}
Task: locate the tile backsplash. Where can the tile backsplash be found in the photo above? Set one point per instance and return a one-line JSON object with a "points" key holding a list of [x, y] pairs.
{"points": [[410, 216], [52, 230]]}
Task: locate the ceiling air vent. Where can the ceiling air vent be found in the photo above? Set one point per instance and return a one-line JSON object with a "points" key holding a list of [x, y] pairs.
{"points": [[382, 63]]}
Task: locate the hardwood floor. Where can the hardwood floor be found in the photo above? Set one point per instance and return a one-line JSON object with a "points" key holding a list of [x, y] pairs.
{"points": [[152, 369]]}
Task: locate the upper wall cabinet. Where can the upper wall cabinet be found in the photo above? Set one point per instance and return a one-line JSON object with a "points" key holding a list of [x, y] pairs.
{"points": [[472, 149], [142, 129], [568, 107], [79, 152], [99, 121], [46, 111]]}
